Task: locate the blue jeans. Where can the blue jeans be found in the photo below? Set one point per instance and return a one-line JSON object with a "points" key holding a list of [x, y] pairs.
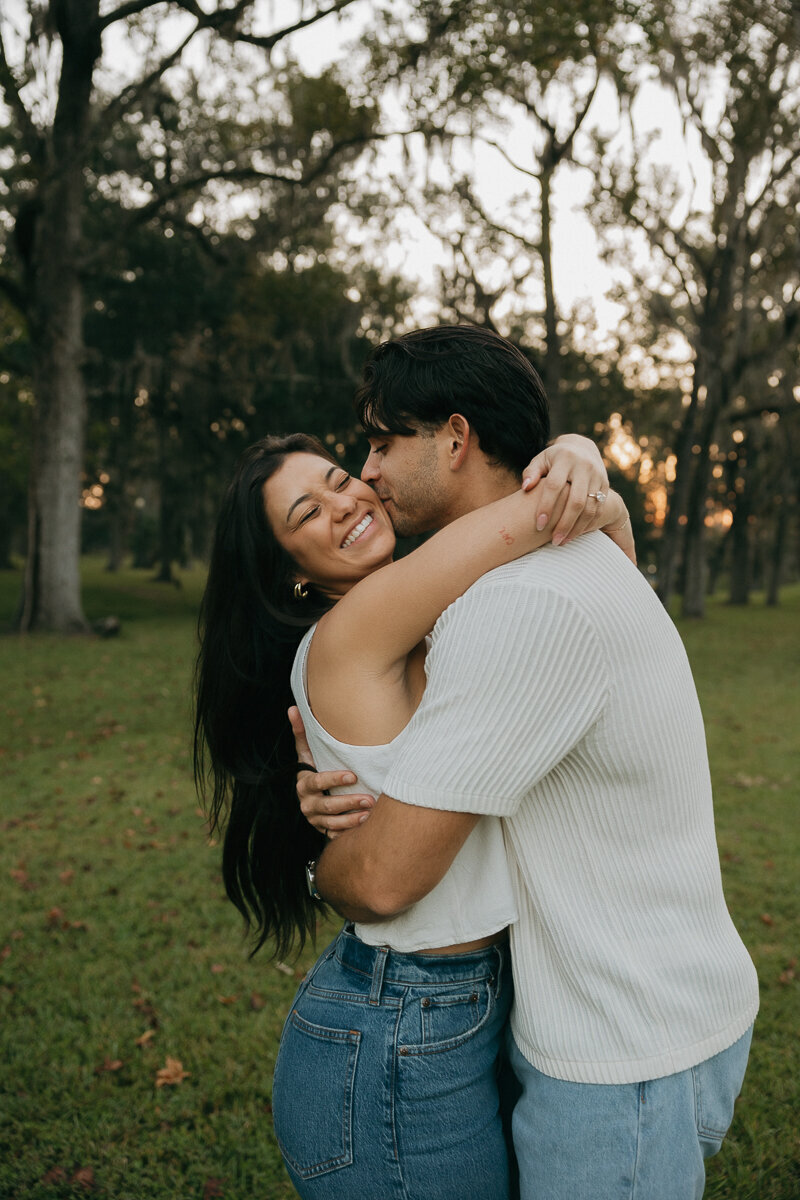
{"points": [[635, 1141], [386, 1079]]}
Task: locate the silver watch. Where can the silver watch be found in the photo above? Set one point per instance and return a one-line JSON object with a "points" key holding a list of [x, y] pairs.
{"points": [[311, 880]]}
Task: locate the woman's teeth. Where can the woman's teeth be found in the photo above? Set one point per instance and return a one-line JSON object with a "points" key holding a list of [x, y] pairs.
{"points": [[359, 529]]}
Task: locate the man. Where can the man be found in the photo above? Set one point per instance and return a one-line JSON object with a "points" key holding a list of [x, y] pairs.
{"points": [[558, 697]]}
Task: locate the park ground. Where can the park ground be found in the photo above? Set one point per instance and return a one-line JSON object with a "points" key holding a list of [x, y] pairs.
{"points": [[137, 1040]]}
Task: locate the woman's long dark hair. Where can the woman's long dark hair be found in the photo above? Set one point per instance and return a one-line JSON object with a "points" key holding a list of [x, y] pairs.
{"points": [[244, 756]]}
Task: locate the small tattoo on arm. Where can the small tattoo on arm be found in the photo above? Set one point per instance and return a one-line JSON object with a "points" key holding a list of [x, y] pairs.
{"points": [[506, 536]]}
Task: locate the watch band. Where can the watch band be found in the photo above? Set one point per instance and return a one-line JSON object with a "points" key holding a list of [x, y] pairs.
{"points": [[311, 880]]}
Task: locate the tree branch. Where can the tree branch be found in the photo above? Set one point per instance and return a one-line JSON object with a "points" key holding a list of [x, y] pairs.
{"points": [[272, 39], [236, 174], [14, 293], [744, 414], [125, 10], [130, 94], [565, 146], [468, 197], [15, 102], [509, 159]]}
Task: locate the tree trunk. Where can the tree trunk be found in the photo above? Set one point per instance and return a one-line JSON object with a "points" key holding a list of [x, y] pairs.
{"points": [[169, 508], [116, 540], [53, 590], [559, 413], [778, 553], [694, 568], [741, 560], [671, 531], [52, 598], [716, 562], [118, 465], [694, 557], [6, 538]]}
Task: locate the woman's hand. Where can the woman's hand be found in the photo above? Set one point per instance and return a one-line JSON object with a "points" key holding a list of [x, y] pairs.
{"points": [[571, 462], [328, 814]]}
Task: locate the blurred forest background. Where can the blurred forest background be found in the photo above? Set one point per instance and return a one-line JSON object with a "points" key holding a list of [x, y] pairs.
{"points": [[202, 239], [209, 213]]}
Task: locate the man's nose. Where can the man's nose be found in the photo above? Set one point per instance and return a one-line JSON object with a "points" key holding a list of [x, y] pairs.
{"points": [[370, 471]]}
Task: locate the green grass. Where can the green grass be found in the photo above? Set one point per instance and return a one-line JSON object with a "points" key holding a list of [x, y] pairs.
{"points": [[114, 925]]}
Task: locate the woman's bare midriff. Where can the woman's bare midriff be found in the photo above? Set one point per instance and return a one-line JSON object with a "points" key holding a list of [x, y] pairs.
{"points": [[466, 947]]}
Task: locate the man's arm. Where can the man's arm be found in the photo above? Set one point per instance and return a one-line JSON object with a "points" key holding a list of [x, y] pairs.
{"points": [[391, 861], [330, 815]]}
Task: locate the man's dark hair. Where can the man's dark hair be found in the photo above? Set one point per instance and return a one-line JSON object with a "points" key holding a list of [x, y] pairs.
{"points": [[416, 382]]}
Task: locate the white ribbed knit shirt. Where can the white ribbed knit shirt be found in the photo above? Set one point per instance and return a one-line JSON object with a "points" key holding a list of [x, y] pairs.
{"points": [[559, 697]]}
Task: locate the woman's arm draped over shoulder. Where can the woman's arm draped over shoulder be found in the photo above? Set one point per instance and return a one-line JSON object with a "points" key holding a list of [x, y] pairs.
{"points": [[384, 616]]}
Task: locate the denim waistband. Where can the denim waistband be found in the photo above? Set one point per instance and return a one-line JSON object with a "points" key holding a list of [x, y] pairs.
{"points": [[384, 965]]}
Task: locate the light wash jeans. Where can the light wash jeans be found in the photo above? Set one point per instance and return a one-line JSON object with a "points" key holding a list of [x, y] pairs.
{"points": [[386, 1080], [635, 1141]]}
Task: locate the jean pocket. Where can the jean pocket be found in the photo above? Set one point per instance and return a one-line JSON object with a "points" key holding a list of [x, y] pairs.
{"points": [[717, 1083], [442, 1019], [312, 1096]]}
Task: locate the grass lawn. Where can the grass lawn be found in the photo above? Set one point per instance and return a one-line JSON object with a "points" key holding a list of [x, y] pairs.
{"points": [[119, 953]]}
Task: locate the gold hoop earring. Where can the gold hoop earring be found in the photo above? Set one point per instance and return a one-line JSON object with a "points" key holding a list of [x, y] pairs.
{"points": [[300, 591]]}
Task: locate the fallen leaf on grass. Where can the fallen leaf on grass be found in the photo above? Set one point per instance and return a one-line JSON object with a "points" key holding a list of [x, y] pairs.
{"points": [[766, 919], [227, 999], [56, 920], [213, 1189], [172, 1073], [147, 1011], [67, 876], [146, 1037], [84, 1178], [109, 1064], [54, 1175], [257, 1002], [789, 974], [216, 968], [5, 953]]}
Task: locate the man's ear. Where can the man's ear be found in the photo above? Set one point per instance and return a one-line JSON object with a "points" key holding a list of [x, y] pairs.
{"points": [[459, 435]]}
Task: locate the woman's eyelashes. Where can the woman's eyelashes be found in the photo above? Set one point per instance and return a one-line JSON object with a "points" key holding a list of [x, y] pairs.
{"points": [[339, 486]]}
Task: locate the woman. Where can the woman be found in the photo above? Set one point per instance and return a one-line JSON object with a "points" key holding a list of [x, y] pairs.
{"points": [[387, 1068]]}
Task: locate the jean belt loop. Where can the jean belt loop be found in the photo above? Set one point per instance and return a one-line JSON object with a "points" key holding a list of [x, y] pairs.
{"points": [[381, 957], [499, 951]]}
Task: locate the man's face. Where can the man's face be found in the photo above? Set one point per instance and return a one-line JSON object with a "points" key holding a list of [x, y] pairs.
{"points": [[410, 476]]}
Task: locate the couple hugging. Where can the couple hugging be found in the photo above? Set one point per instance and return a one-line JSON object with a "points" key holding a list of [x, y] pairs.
{"points": [[538, 990]]}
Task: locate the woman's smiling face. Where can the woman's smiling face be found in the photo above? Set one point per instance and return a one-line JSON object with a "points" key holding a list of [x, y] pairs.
{"points": [[333, 525]]}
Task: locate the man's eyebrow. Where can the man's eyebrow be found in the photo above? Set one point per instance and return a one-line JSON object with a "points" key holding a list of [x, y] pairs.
{"points": [[307, 495]]}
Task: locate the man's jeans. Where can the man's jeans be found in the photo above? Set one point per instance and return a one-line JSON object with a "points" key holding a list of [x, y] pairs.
{"points": [[386, 1080], [635, 1141]]}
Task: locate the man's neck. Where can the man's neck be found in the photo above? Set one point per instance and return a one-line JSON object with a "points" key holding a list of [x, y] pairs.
{"points": [[482, 488]]}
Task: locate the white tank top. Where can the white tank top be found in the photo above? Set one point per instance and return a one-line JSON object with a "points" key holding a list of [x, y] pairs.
{"points": [[473, 900]]}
